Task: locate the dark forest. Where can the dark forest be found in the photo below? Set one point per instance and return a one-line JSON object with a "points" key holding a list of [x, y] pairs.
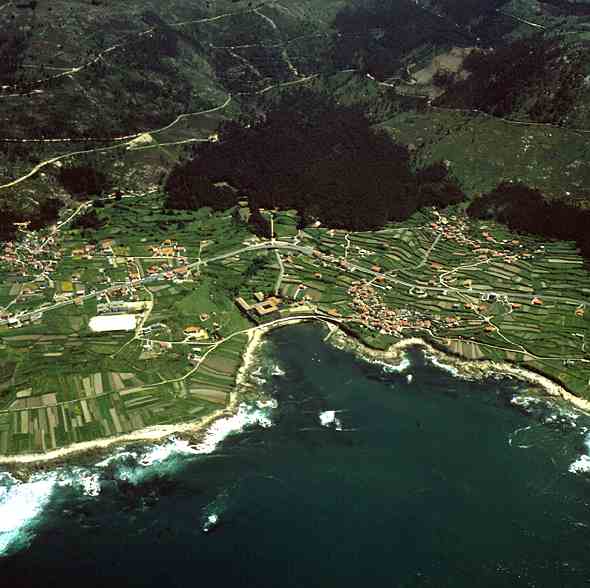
{"points": [[526, 210], [311, 154], [527, 77]]}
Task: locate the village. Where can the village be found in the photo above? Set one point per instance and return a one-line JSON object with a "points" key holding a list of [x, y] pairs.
{"points": [[157, 315], [118, 281]]}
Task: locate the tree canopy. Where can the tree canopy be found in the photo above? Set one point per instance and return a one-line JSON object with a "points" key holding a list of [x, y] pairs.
{"points": [[527, 210], [309, 153], [526, 77], [83, 180]]}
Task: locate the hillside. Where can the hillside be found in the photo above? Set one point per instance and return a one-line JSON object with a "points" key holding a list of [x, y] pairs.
{"points": [[177, 177], [124, 89]]}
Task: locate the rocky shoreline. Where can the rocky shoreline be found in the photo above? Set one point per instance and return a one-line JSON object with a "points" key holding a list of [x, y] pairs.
{"points": [[26, 464], [195, 431], [467, 368]]}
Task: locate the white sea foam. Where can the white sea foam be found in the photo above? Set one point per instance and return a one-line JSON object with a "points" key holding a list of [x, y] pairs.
{"points": [[443, 366], [20, 504], [562, 418], [133, 466], [257, 376], [582, 464], [268, 403], [526, 402], [402, 366], [277, 371], [91, 484], [221, 428], [116, 457], [82, 479], [210, 522], [513, 435], [159, 453], [552, 414], [328, 418], [549, 412], [156, 454]]}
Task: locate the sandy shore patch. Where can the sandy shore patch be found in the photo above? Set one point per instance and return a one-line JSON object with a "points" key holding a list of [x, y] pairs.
{"points": [[149, 434], [468, 368]]}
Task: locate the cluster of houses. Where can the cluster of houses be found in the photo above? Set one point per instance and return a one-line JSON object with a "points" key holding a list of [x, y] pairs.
{"points": [[24, 262], [34, 261], [84, 252], [169, 272], [196, 333], [120, 291], [168, 248], [68, 289], [192, 333], [29, 274], [15, 321], [455, 228], [31, 263], [89, 250], [371, 312]]}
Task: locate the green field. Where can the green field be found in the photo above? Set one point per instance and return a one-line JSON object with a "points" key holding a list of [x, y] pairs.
{"points": [[482, 150], [470, 288]]}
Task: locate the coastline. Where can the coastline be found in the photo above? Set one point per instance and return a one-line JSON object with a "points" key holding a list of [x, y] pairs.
{"points": [[149, 434], [155, 433], [469, 368]]}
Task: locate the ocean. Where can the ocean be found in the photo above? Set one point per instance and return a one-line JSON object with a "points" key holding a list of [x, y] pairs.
{"points": [[344, 471]]}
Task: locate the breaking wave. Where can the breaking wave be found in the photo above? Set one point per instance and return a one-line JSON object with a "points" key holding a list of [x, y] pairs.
{"points": [[246, 416], [277, 370], [135, 465], [434, 360], [329, 419], [22, 503], [582, 464], [547, 412], [553, 415], [389, 368]]}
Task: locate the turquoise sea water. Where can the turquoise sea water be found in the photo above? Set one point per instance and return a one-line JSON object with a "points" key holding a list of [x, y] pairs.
{"points": [[365, 475]]}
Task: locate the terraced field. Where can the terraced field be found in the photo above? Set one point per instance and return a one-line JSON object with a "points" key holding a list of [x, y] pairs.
{"points": [[191, 283], [62, 383], [501, 297]]}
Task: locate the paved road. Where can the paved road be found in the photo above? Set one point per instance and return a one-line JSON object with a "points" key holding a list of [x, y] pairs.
{"points": [[305, 250], [513, 295], [263, 327], [281, 272], [258, 247], [277, 246]]}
